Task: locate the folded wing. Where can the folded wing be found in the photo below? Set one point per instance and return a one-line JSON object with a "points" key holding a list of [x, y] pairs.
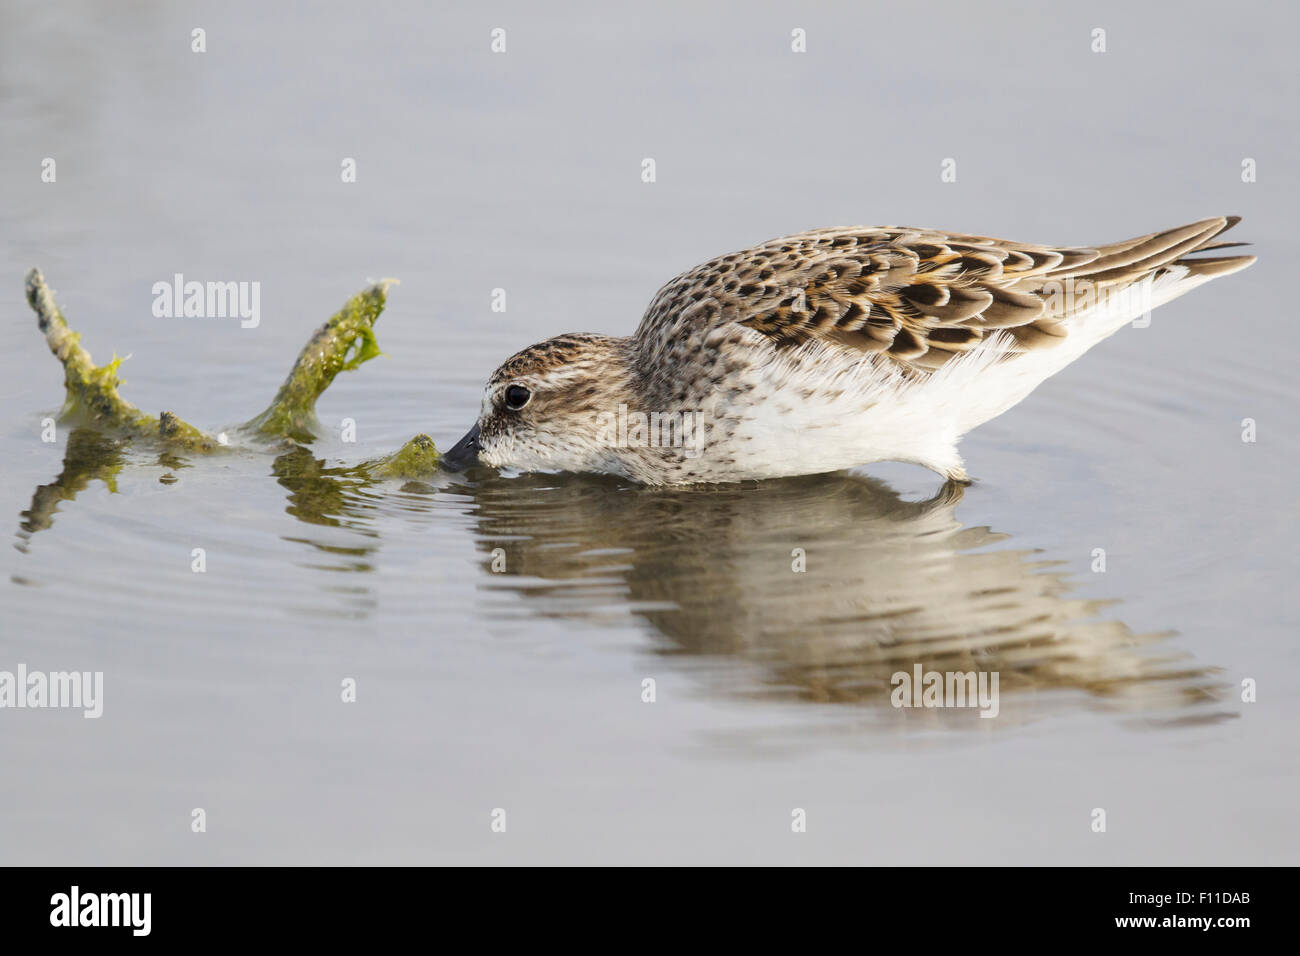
{"points": [[918, 296]]}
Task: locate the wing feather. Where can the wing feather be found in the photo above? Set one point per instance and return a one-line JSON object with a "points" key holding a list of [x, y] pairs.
{"points": [[917, 296]]}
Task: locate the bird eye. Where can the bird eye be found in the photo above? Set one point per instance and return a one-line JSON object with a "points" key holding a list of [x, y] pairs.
{"points": [[517, 397]]}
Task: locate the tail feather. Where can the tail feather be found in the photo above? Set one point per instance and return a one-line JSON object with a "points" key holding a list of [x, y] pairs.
{"points": [[1132, 259], [1211, 267]]}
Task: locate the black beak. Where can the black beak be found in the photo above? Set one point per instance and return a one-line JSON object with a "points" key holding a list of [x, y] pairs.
{"points": [[464, 453]]}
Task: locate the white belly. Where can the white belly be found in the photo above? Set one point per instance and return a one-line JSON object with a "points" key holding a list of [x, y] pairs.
{"points": [[822, 408]]}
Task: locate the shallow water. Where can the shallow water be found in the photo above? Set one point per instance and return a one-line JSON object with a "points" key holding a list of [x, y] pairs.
{"points": [[522, 688]]}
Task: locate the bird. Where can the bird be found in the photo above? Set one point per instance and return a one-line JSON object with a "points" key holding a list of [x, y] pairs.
{"points": [[827, 350]]}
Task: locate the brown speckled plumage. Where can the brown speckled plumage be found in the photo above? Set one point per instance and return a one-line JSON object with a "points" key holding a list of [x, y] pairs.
{"points": [[916, 296], [784, 346]]}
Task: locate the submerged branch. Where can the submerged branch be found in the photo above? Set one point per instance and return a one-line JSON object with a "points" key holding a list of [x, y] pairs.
{"points": [[91, 390], [418, 458], [345, 341]]}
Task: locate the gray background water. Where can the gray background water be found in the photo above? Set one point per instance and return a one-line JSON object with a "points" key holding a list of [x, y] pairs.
{"points": [[522, 690]]}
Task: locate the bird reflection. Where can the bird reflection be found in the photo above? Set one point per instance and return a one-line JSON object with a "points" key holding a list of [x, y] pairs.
{"points": [[819, 589], [831, 585]]}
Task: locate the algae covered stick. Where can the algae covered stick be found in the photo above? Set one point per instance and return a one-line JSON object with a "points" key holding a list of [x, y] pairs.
{"points": [[342, 343], [91, 391], [418, 458], [346, 340]]}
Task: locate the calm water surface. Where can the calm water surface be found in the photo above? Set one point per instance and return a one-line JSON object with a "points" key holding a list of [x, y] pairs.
{"points": [[522, 689]]}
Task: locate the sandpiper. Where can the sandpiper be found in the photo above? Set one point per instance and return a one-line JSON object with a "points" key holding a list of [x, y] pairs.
{"points": [[826, 350]]}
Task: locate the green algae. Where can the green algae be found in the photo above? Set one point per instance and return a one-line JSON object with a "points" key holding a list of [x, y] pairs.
{"points": [[417, 459], [343, 343], [91, 391], [320, 492]]}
